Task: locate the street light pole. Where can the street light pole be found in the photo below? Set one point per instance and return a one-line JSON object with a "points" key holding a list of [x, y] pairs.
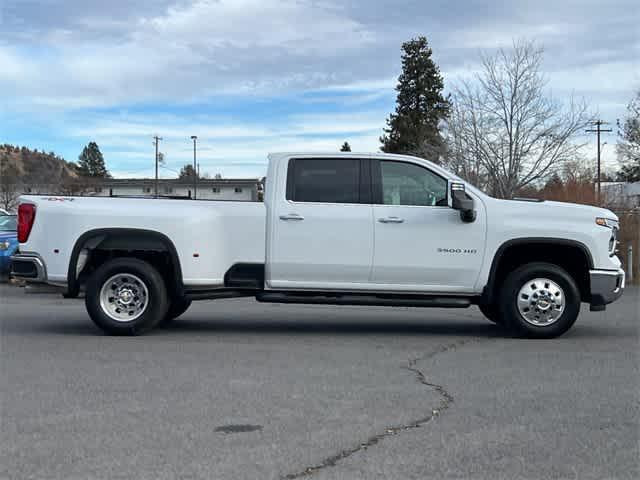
{"points": [[195, 168]]}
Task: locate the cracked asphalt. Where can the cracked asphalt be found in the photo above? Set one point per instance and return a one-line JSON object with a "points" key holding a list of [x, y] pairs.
{"points": [[235, 389]]}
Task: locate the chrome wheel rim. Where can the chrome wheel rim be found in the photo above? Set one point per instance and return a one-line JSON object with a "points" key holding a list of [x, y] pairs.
{"points": [[541, 302], [124, 297]]}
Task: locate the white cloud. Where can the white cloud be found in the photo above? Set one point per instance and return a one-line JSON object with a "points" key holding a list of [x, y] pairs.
{"points": [[190, 50], [13, 67], [214, 128], [489, 37], [61, 61], [298, 26], [239, 149]]}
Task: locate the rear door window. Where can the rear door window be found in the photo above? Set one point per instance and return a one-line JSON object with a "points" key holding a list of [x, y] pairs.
{"points": [[324, 180]]}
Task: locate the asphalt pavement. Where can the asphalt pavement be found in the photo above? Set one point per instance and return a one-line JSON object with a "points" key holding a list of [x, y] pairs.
{"points": [[236, 389]]}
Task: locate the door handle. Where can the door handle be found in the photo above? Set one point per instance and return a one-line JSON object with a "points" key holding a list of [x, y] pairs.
{"points": [[291, 216], [391, 220]]}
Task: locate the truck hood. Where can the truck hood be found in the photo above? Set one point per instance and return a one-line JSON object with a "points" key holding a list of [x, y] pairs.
{"points": [[572, 211]]}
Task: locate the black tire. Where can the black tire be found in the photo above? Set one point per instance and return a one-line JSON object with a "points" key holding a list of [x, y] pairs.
{"points": [[177, 307], [154, 309], [508, 298], [490, 312]]}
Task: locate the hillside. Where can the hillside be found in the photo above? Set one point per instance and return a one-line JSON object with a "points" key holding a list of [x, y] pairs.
{"points": [[35, 167]]}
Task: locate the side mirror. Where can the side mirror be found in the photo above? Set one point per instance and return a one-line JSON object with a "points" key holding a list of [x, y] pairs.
{"points": [[461, 202]]}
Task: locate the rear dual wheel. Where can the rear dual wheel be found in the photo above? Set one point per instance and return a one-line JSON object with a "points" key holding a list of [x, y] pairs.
{"points": [[126, 296], [176, 308]]}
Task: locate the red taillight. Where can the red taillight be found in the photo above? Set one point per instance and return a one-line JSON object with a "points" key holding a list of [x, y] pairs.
{"points": [[26, 217]]}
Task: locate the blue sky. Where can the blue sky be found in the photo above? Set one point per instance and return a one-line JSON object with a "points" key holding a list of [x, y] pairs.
{"points": [[253, 76]]}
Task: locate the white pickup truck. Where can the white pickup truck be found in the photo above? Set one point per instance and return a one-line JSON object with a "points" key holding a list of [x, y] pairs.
{"points": [[342, 229]]}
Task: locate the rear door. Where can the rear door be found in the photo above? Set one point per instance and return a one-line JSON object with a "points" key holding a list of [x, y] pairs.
{"points": [[322, 229]]}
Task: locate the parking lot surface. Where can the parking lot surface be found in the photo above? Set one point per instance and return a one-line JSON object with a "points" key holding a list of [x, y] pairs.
{"points": [[235, 389]]}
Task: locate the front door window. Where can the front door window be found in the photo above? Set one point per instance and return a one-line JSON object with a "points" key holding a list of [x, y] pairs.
{"points": [[410, 184]]}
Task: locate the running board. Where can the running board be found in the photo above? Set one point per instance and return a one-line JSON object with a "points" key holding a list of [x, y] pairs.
{"points": [[358, 299], [215, 294]]}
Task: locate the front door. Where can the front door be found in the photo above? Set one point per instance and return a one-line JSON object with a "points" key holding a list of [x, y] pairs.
{"points": [[420, 242], [322, 230]]}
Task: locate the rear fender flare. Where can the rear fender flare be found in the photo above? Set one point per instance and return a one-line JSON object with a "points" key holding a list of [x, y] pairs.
{"points": [[95, 237]]}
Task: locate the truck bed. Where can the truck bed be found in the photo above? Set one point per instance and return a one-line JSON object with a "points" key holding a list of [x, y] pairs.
{"points": [[209, 236]]}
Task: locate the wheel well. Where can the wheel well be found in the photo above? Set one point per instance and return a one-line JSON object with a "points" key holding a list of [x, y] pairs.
{"points": [[571, 256], [98, 246]]}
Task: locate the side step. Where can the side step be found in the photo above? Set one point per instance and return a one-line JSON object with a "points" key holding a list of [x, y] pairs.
{"points": [[359, 299], [215, 294]]}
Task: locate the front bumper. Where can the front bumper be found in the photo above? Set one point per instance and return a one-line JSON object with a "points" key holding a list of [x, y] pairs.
{"points": [[29, 267], [606, 287]]}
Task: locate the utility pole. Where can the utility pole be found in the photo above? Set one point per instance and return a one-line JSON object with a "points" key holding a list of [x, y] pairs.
{"points": [[156, 139], [598, 124], [195, 168]]}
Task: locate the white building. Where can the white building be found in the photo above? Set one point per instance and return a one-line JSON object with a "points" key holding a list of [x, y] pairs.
{"points": [[240, 189], [622, 194]]}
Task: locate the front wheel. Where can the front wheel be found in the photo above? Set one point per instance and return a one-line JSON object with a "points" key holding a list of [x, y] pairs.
{"points": [[539, 300], [126, 296]]}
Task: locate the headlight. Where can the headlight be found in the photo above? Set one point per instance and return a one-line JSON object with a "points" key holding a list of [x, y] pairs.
{"points": [[607, 222], [614, 225], [4, 246], [613, 242]]}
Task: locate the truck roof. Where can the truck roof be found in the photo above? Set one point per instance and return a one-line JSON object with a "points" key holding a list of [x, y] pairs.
{"points": [[340, 154], [377, 155]]}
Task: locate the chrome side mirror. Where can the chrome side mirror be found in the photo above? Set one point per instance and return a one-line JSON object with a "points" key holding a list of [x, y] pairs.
{"points": [[462, 202]]}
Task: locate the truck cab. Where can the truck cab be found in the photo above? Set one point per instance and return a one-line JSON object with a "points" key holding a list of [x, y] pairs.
{"points": [[335, 228], [372, 223]]}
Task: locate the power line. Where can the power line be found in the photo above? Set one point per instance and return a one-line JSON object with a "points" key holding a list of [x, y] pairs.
{"points": [[598, 124], [170, 169]]}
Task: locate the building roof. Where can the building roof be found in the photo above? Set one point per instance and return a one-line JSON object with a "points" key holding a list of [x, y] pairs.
{"points": [[625, 188], [205, 182]]}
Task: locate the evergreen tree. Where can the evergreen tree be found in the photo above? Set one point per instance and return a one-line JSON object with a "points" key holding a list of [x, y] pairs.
{"points": [[345, 147], [629, 146], [420, 105], [91, 163], [554, 182], [187, 172]]}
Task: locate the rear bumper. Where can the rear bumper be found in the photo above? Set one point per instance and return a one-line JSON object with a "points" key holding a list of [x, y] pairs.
{"points": [[606, 287], [29, 267]]}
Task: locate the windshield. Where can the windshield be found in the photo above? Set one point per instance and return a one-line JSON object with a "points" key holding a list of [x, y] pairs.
{"points": [[8, 223]]}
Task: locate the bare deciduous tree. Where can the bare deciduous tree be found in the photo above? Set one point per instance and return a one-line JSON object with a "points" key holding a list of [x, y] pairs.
{"points": [[8, 184], [505, 131]]}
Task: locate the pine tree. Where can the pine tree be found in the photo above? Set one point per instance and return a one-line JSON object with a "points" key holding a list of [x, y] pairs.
{"points": [[420, 105], [91, 163], [345, 147], [187, 172]]}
